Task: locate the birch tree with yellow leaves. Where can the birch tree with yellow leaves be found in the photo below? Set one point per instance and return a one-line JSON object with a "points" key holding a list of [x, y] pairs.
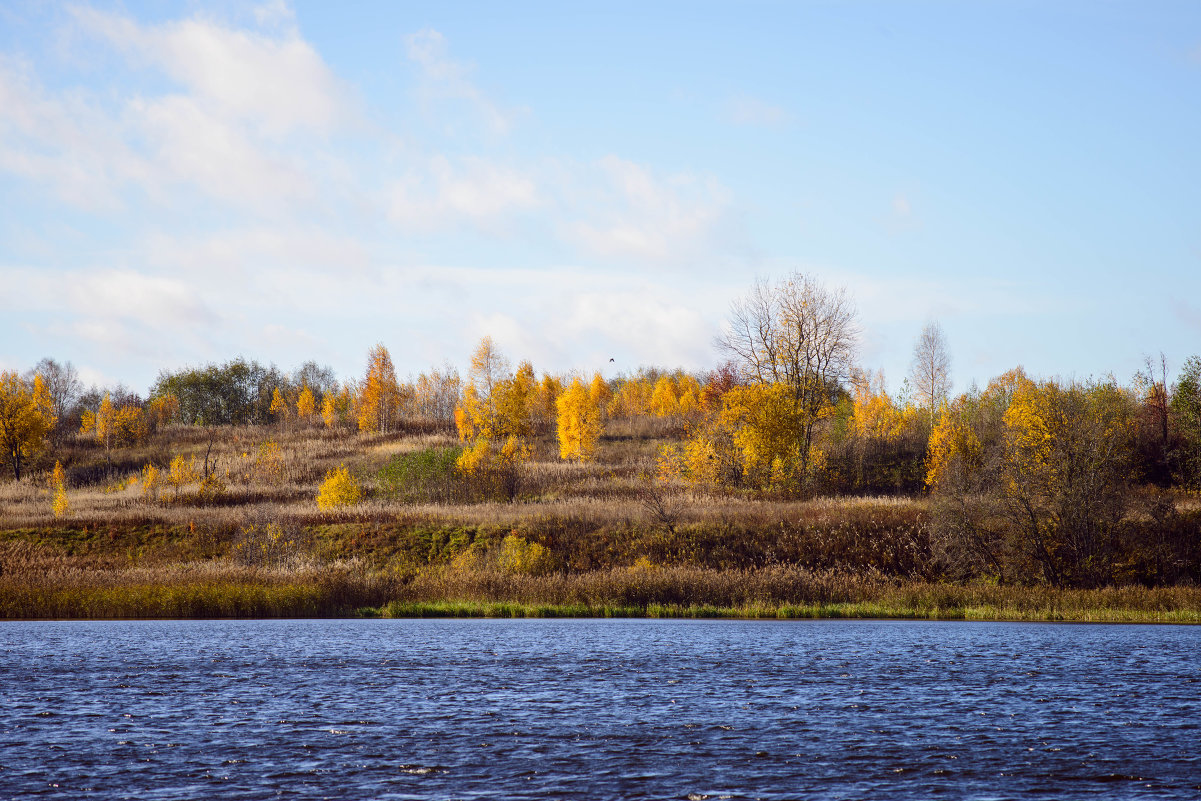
{"points": [[494, 418], [801, 336], [114, 426], [379, 396], [27, 418], [306, 405], [579, 423]]}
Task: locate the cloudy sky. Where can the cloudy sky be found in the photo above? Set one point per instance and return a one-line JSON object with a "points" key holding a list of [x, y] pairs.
{"points": [[189, 182]]}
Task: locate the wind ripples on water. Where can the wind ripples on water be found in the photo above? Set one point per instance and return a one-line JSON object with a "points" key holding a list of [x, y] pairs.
{"points": [[598, 709]]}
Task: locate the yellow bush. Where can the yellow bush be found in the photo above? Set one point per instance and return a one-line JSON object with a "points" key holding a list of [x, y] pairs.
{"points": [[150, 482], [468, 560], [474, 457], [338, 489], [183, 471], [518, 556], [61, 506]]}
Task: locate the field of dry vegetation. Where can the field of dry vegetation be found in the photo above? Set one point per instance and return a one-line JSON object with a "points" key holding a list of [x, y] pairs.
{"points": [[604, 537]]}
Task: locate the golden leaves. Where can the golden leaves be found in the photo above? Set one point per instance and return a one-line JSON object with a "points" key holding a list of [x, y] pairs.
{"points": [[338, 489], [579, 423]]}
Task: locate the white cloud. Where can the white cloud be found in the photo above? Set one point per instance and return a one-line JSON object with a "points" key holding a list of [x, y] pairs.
{"points": [[125, 294], [192, 146], [245, 121], [277, 83], [446, 80], [475, 191], [629, 212], [253, 249], [64, 142], [644, 325], [247, 218], [275, 13]]}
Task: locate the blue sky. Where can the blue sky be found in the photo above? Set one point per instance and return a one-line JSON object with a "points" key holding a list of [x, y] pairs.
{"points": [[189, 182]]}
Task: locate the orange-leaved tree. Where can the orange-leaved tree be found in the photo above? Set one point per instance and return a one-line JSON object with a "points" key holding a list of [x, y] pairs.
{"points": [[380, 397]]}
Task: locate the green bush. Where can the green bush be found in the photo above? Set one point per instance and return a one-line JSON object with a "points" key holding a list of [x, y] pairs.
{"points": [[425, 476]]}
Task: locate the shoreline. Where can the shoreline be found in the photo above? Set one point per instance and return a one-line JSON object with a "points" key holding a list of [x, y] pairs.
{"points": [[622, 593]]}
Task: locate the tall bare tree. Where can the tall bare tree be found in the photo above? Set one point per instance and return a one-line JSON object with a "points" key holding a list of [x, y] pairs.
{"points": [[931, 368], [62, 382], [798, 333]]}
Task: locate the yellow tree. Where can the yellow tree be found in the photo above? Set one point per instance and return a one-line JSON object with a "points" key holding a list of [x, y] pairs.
{"points": [[955, 453], [497, 407], [329, 410], [1065, 475], [182, 472], [489, 465], [767, 434], [24, 421], [338, 489], [691, 396], [476, 415], [379, 400], [470, 416], [798, 334], [665, 401], [549, 390], [150, 482], [337, 407], [114, 426], [579, 423], [306, 404], [515, 404], [632, 398], [59, 482], [279, 407], [599, 392], [161, 410]]}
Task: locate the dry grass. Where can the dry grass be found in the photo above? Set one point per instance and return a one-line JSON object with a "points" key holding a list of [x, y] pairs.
{"points": [[614, 541]]}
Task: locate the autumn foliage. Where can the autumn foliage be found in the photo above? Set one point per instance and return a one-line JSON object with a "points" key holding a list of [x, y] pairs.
{"points": [[1030, 480], [26, 418], [579, 423]]}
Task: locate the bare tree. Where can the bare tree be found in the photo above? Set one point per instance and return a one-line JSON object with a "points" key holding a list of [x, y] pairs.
{"points": [[931, 368], [798, 333], [62, 382]]}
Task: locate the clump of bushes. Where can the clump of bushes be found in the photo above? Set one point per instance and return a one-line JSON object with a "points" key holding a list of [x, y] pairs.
{"points": [[338, 489], [423, 476]]}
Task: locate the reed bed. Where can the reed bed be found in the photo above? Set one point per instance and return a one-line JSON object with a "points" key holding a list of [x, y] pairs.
{"points": [[197, 590], [44, 587]]}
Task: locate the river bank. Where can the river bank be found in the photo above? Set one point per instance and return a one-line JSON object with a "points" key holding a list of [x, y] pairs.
{"points": [[220, 590]]}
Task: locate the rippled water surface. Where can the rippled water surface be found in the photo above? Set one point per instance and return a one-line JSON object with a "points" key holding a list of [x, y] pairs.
{"points": [[598, 709]]}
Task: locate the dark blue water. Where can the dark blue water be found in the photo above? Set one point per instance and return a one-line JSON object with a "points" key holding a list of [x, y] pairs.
{"points": [[598, 709]]}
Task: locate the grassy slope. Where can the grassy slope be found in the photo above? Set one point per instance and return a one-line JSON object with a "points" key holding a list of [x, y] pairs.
{"points": [[610, 551]]}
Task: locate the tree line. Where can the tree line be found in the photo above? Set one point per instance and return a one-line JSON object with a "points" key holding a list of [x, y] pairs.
{"points": [[1026, 474]]}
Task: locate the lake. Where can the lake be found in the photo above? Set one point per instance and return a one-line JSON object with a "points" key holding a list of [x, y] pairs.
{"points": [[406, 709]]}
